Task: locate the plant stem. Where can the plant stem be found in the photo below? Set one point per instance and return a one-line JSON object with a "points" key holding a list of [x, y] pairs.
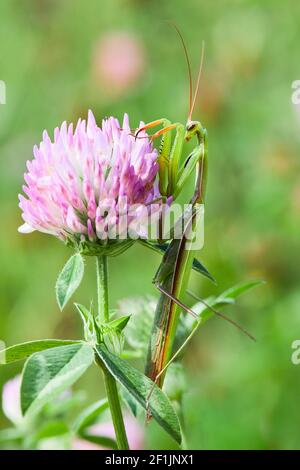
{"points": [[110, 383], [102, 289], [116, 411]]}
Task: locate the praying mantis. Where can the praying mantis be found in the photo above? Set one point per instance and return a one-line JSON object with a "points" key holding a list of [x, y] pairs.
{"points": [[173, 274]]}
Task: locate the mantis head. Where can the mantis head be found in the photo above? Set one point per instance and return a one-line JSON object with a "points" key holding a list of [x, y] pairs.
{"points": [[193, 128]]}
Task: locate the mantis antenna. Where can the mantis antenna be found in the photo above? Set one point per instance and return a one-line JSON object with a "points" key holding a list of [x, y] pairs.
{"points": [[198, 82], [192, 99], [188, 63]]}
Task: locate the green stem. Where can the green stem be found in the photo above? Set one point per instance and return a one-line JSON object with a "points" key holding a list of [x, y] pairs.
{"points": [[110, 383], [116, 411], [102, 289]]}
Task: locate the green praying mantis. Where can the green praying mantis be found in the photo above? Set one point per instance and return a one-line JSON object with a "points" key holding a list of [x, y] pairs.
{"points": [[173, 274]]}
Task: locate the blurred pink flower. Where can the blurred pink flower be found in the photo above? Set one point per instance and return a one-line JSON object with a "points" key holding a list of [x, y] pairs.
{"points": [[79, 186], [11, 400], [135, 435], [118, 62]]}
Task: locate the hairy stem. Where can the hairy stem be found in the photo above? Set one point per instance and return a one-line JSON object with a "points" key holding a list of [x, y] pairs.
{"points": [[102, 289], [110, 383]]}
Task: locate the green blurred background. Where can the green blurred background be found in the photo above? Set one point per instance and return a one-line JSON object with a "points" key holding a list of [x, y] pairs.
{"points": [[61, 57]]}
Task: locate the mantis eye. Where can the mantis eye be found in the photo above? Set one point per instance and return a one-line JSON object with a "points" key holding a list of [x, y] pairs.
{"points": [[191, 126]]}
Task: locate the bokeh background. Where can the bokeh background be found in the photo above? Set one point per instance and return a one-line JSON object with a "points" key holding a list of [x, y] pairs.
{"points": [[61, 57]]}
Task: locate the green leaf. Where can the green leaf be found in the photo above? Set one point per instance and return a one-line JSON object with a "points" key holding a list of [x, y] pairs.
{"points": [[48, 373], [200, 268], [226, 298], [52, 429], [138, 330], [85, 314], [112, 334], [10, 435], [140, 386], [89, 323], [129, 401], [24, 350], [69, 279], [102, 441], [239, 289], [90, 414], [119, 323], [162, 248], [65, 405]]}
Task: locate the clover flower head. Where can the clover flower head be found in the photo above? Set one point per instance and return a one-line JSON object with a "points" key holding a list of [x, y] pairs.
{"points": [[84, 183]]}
